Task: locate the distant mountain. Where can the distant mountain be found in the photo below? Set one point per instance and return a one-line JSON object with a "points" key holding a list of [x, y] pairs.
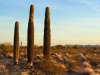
{"points": [[97, 46]]}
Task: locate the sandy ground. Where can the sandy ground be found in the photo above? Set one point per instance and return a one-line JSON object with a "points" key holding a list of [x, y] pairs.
{"points": [[8, 68]]}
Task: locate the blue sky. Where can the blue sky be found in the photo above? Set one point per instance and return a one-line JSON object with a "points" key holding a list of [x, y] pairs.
{"points": [[72, 21]]}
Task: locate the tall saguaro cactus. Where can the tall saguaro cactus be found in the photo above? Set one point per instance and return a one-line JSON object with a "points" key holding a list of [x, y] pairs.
{"points": [[47, 36], [16, 43], [30, 37]]}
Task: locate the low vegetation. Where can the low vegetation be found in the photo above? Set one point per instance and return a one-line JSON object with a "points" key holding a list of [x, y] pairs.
{"points": [[6, 47], [63, 60]]}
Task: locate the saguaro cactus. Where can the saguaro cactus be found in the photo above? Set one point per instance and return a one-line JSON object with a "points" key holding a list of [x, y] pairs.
{"points": [[31, 11], [30, 37], [16, 43], [47, 36], [21, 43]]}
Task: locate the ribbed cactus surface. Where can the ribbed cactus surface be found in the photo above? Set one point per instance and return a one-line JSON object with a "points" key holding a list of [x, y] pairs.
{"points": [[16, 43], [30, 37], [47, 36]]}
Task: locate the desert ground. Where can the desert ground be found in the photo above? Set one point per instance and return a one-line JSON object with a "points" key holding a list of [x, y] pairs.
{"points": [[81, 61]]}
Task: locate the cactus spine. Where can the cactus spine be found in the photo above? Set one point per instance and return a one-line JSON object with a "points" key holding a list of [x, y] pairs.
{"points": [[16, 43], [47, 36], [30, 37]]}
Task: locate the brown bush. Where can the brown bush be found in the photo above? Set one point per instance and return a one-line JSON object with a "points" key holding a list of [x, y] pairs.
{"points": [[50, 67]]}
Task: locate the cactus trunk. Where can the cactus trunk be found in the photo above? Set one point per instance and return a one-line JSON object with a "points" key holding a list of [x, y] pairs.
{"points": [[16, 43], [47, 36], [30, 37]]}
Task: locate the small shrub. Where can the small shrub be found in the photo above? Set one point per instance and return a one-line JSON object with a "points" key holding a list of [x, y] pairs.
{"points": [[76, 47], [50, 67], [60, 46], [3, 70], [69, 47], [6, 47]]}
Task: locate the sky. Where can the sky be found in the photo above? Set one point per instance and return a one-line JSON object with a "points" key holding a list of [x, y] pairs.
{"points": [[72, 21]]}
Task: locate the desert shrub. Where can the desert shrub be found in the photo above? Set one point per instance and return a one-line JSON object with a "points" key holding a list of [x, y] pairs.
{"points": [[60, 46], [59, 51], [23, 49], [70, 51], [37, 50], [93, 58], [40, 47], [3, 70], [36, 46], [6, 47], [50, 67], [70, 60], [88, 69], [76, 47], [69, 47]]}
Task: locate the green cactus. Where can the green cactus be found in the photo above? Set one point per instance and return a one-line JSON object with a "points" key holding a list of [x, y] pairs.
{"points": [[47, 36], [30, 37], [16, 43]]}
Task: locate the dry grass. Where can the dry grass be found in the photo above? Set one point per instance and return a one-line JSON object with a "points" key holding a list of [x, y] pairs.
{"points": [[50, 67], [3, 70], [63, 62]]}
